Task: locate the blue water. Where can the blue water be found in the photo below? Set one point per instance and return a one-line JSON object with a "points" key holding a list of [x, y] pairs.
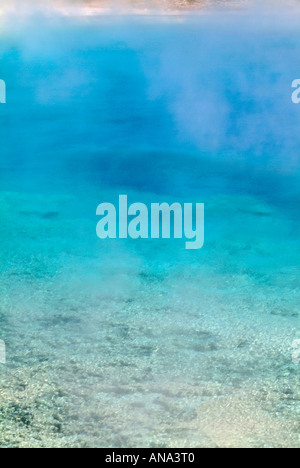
{"points": [[143, 343]]}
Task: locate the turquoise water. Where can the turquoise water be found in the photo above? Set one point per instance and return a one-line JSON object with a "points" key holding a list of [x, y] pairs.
{"points": [[142, 343]]}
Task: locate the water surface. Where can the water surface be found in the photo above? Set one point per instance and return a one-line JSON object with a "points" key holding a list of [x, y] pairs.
{"points": [[142, 343]]}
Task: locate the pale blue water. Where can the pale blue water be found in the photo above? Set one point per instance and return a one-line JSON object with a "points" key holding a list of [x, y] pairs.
{"points": [[142, 343]]}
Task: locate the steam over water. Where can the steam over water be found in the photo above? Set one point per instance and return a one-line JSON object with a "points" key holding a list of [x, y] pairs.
{"points": [[143, 343]]}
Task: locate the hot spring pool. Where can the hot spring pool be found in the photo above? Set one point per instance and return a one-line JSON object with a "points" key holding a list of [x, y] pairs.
{"points": [[123, 343]]}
